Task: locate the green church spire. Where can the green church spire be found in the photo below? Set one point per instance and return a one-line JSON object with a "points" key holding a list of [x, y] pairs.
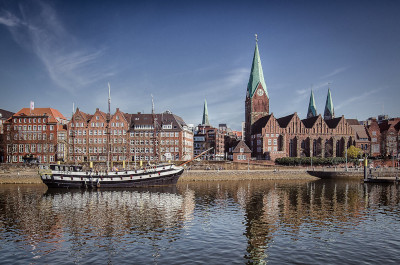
{"points": [[256, 74], [329, 112], [205, 114], [312, 108]]}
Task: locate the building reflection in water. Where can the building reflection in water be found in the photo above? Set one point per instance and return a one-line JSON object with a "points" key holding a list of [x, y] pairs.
{"points": [[110, 220]]}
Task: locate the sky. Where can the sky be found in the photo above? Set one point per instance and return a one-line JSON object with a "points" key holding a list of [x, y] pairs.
{"points": [[64, 53]]}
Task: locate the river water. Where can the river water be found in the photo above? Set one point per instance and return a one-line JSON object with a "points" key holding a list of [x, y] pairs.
{"points": [[243, 222]]}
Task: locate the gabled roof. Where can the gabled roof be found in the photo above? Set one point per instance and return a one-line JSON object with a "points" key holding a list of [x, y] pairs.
{"points": [[256, 75], [5, 114], [284, 121], [257, 127], [309, 123], [241, 144], [52, 114], [333, 123]]}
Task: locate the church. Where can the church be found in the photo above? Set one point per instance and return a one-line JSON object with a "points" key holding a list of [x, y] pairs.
{"points": [[270, 137]]}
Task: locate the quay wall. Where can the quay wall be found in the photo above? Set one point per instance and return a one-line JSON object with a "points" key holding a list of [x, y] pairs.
{"points": [[221, 175]]}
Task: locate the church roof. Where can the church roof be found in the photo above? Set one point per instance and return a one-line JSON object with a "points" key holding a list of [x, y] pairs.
{"points": [[312, 108], [284, 121], [333, 123], [241, 144], [256, 75], [260, 124], [205, 120], [309, 122]]}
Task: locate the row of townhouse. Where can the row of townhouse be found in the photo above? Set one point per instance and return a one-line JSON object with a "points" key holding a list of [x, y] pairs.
{"points": [[45, 135]]}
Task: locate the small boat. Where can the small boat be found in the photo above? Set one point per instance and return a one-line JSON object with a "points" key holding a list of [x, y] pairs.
{"points": [[73, 176]]}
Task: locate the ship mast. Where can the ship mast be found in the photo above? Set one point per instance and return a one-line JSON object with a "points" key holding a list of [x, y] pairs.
{"points": [[108, 127], [73, 133], [153, 114]]}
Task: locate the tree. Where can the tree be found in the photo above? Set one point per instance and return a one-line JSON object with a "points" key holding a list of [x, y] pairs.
{"points": [[353, 152]]}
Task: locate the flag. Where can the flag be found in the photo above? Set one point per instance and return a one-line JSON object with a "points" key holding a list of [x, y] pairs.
{"points": [[32, 105]]}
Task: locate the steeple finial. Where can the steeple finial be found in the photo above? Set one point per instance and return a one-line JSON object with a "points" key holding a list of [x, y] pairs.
{"points": [[256, 37], [205, 120]]}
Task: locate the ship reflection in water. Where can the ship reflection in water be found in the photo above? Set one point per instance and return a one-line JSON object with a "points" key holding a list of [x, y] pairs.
{"points": [[202, 222]]}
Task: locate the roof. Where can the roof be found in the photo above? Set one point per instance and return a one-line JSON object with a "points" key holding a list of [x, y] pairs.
{"points": [[353, 122], [53, 114], [241, 144], [333, 123], [256, 75], [309, 123], [284, 121], [312, 108], [329, 112], [162, 119], [5, 114], [359, 130], [205, 120], [260, 124]]}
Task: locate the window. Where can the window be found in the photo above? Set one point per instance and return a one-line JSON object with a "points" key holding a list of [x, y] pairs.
{"points": [[51, 127]]}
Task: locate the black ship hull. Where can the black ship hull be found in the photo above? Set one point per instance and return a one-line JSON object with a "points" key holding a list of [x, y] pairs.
{"points": [[125, 179]]}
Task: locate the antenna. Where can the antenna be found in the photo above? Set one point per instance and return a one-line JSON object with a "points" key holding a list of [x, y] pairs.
{"points": [[152, 104]]}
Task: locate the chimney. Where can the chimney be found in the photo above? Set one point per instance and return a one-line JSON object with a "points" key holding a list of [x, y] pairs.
{"points": [[97, 109]]}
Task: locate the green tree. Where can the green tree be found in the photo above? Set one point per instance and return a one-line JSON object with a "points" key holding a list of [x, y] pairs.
{"points": [[353, 152]]}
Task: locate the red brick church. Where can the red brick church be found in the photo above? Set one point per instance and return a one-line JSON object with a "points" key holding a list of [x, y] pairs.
{"points": [[270, 137]]}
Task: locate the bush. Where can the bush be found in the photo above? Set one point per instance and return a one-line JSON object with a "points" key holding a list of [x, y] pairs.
{"points": [[316, 161]]}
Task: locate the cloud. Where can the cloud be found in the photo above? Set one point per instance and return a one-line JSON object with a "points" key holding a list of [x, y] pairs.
{"points": [[334, 72], [69, 63], [8, 19], [307, 91], [357, 98]]}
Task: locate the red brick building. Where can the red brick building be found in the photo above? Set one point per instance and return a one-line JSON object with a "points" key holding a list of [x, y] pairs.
{"points": [[269, 137], [35, 134], [128, 137], [4, 116], [241, 153], [385, 137], [207, 136]]}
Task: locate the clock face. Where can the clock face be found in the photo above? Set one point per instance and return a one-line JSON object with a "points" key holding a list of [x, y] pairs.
{"points": [[260, 92]]}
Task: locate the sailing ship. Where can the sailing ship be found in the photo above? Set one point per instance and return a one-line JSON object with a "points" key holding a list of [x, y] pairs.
{"points": [[74, 176]]}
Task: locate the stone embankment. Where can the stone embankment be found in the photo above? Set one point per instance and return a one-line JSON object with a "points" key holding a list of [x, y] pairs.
{"points": [[20, 175], [26, 175], [219, 175]]}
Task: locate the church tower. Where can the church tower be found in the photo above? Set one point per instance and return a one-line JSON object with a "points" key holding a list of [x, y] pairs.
{"points": [[329, 112], [312, 108], [257, 99], [205, 120]]}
